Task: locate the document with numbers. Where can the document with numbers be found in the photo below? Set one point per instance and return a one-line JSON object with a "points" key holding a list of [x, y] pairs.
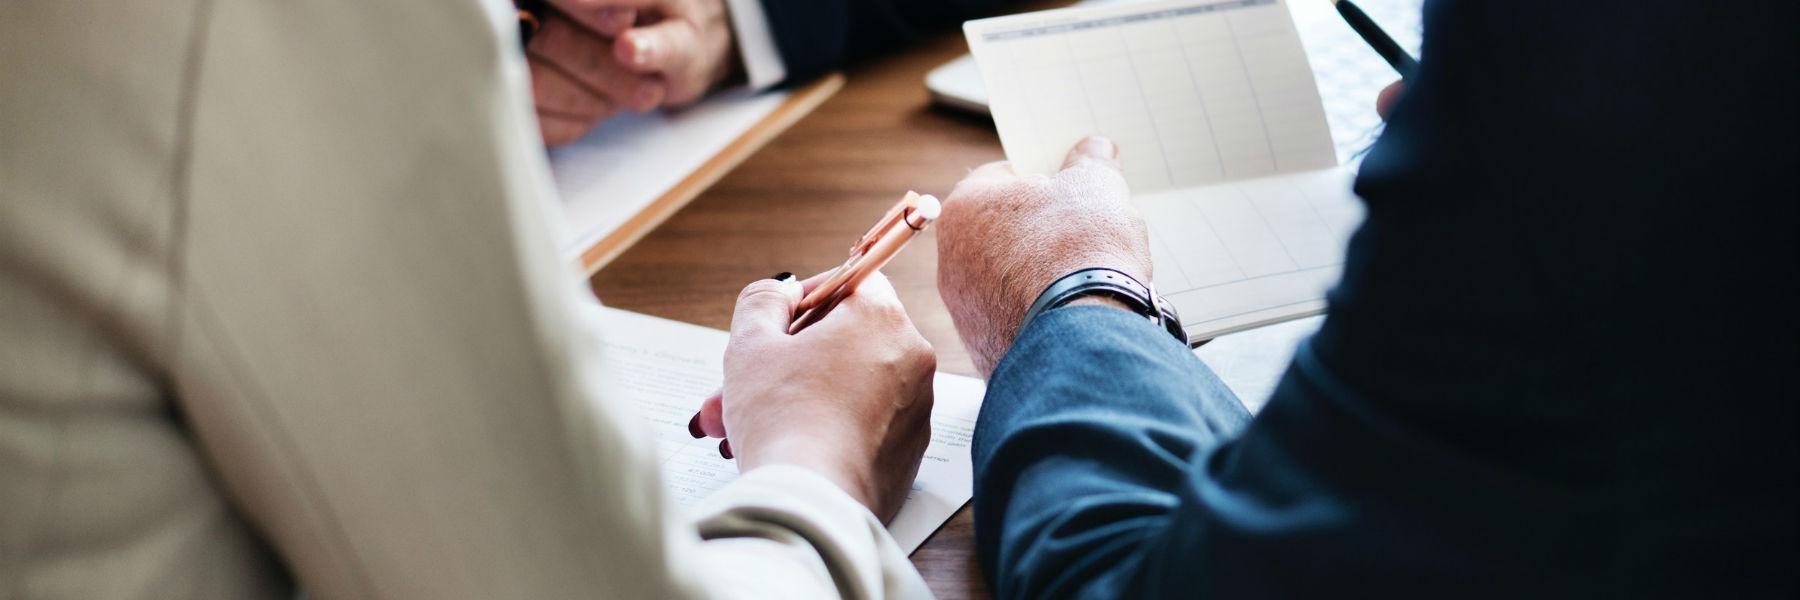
{"points": [[1221, 133], [665, 369]]}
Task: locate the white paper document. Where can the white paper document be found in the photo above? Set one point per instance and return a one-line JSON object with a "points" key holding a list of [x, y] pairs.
{"points": [[629, 161], [1221, 133], [665, 369], [1251, 363]]}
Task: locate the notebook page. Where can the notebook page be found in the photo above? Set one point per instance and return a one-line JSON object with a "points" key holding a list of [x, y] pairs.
{"points": [[1222, 137], [666, 368], [1238, 255], [1194, 92]]}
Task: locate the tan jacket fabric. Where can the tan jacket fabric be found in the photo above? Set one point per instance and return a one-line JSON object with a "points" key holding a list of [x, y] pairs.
{"points": [[280, 307]]}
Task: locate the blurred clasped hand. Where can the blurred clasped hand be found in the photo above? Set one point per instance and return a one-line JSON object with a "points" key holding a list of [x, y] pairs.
{"points": [[592, 59], [849, 397], [1004, 237]]}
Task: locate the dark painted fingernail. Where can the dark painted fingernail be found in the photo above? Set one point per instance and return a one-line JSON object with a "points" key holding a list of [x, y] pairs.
{"points": [[725, 448], [694, 427], [783, 277]]}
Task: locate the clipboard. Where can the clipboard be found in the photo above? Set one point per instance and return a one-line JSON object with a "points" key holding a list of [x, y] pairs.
{"points": [[602, 178]]}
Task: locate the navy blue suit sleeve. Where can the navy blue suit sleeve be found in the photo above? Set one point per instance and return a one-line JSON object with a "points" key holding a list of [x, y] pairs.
{"points": [[816, 36], [1083, 450], [1111, 463]]}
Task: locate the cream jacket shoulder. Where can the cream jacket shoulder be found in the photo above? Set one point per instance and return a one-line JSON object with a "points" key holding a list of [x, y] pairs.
{"points": [[280, 309]]}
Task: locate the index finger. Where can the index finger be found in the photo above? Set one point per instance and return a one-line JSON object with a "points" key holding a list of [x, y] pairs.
{"points": [[765, 306], [874, 298], [606, 17]]}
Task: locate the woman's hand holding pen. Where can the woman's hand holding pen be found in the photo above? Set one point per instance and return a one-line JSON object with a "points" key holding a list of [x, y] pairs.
{"points": [[849, 397]]}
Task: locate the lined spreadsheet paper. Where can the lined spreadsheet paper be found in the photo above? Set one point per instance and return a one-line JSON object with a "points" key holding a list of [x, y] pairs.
{"points": [[665, 369], [1221, 133]]}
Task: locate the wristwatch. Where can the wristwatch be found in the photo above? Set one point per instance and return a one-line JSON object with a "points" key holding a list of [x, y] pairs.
{"points": [[1141, 298]]}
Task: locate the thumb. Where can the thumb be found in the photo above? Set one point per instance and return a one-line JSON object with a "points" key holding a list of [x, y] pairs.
{"points": [[766, 307], [659, 47], [1095, 149]]}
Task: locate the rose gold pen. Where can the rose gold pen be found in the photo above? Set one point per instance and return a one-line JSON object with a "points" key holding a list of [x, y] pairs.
{"points": [[872, 251], [869, 254]]}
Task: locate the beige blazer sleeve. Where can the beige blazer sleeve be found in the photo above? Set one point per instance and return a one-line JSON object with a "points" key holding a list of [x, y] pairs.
{"points": [[312, 244]]}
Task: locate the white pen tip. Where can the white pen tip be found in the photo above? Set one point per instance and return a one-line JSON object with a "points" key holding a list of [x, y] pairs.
{"points": [[928, 207]]}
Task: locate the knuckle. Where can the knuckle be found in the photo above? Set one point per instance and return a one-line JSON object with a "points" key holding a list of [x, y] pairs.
{"points": [[760, 289], [1092, 174], [924, 357]]}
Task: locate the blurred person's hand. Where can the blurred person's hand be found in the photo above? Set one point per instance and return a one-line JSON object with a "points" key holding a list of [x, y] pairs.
{"points": [[592, 59], [1004, 237], [848, 397], [575, 80]]}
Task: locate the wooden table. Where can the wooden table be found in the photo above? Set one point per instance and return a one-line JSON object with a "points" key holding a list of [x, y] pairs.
{"points": [[796, 206]]}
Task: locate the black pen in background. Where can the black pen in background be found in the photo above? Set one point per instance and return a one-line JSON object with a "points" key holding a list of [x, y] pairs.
{"points": [[1384, 45]]}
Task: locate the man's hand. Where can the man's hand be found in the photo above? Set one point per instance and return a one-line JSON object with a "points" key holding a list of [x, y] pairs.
{"points": [[687, 43], [1004, 237], [595, 58], [575, 80], [849, 397]]}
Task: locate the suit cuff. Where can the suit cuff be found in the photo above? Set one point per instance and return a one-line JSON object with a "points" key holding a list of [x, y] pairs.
{"points": [[756, 43]]}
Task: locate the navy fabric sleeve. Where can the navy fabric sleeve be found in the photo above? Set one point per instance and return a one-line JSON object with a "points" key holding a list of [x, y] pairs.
{"points": [[816, 36], [1083, 449], [1110, 462]]}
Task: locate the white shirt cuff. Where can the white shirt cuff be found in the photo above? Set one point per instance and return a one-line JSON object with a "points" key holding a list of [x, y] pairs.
{"points": [[756, 43]]}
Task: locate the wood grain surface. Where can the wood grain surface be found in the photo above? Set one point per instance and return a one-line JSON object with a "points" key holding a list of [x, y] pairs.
{"points": [[797, 204], [798, 105]]}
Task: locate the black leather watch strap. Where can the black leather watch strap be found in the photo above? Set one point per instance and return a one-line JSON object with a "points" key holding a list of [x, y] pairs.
{"points": [[1113, 283]]}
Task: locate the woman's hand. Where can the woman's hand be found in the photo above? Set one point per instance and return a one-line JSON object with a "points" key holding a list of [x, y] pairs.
{"points": [[849, 397]]}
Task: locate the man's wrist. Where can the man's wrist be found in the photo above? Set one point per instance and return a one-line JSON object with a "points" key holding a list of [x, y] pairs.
{"points": [[1105, 286], [1099, 300]]}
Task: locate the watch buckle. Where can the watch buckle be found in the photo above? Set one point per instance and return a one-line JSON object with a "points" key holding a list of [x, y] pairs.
{"points": [[1156, 306]]}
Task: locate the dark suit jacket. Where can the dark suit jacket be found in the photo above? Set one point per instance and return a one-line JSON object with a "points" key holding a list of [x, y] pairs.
{"points": [[815, 36], [1561, 361]]}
